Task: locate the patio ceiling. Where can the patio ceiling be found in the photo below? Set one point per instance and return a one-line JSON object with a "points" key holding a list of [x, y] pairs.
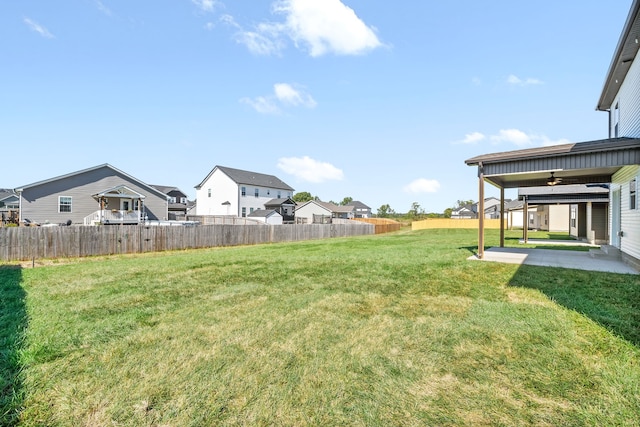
{"points": [[591, 162]]}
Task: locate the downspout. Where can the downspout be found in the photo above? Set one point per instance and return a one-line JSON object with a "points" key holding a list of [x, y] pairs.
{"points": [[19, 191]]}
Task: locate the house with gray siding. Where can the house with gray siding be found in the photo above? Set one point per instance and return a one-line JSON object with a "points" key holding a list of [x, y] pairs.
{"points": [[98, 195]]}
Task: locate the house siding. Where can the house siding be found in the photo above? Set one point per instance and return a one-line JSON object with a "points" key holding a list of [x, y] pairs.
{"points": [[559, 218], [628, 98], [223, 189], [308, 210], [40, 203], [629, 218]]}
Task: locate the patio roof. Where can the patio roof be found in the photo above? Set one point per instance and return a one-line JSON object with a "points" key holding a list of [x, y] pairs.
{"points": [[591, 162]]}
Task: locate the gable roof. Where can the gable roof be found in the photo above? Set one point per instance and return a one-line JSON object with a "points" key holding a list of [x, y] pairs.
{"points": [[5, 193], [240, 176], [168, 189], [358, 205], [80, 172], [623, 57], [279, 202], [263, 213]]}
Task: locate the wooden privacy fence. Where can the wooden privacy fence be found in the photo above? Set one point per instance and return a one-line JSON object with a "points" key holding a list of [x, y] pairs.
{"points": [[26, 243], [383, 225]]}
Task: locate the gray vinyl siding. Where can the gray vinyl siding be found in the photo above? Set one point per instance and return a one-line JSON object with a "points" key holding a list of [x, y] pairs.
{"points": [[40, 202]]}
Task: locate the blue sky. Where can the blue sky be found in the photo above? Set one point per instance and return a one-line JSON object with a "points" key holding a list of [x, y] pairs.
{"points": [[378, 101]]}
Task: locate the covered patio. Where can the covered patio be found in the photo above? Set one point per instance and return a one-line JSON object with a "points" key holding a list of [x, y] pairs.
{"points": [[592, 162], [127, 207]]}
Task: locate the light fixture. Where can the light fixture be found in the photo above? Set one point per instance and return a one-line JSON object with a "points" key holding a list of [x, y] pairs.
{"points": [[552, 180]]}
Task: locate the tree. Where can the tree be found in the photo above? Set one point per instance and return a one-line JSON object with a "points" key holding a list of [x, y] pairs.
{"points": [[302, 197], [447, 212], [385, 211], [415, 210], [346, 201]]}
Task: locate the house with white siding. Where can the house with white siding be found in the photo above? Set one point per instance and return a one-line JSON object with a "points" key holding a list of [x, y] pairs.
{"points": [[234, 192], [613, 162], [97, 195]]}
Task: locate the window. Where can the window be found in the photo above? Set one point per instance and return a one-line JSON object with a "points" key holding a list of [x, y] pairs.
{"points": [[243, 191], [632, 195], [172, 199], [250, 210], [209, 192], [64, 204], [279, 195], [183, 200], [136, 205], [244, 212], [573, 216], [257, 193]]}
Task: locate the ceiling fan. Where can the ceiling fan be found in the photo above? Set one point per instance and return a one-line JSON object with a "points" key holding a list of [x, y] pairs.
{"points": [[553, 180]]}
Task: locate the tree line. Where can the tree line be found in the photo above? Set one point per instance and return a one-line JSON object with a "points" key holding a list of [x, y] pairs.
{"points": [[415, 212]]}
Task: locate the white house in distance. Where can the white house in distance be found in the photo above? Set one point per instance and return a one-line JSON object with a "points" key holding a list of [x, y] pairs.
{"points": [[234, 192]]}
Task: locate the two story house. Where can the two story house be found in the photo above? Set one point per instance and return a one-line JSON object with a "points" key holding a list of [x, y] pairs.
{"points": [[235, 192], [613, 162]]}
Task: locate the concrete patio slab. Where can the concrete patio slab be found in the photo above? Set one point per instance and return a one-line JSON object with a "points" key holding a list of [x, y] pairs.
{"points": [[579, 260]]}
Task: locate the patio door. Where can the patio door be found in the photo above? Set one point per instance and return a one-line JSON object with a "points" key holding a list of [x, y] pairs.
{"points": [[616, 217]]}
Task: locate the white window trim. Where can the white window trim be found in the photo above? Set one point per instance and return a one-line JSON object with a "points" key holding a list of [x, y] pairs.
{"points": [[70, 204]]}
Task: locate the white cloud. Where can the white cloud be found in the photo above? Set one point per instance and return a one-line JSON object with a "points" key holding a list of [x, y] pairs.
{"points": [[318, 26], [284, 95], [262, 105], [287, 94], [326, 26], [513, 136], [310, 170], [473, 138], [102, 8], [209, 26], [34, 26], [516, 81], [422, 185], [205, 5]]}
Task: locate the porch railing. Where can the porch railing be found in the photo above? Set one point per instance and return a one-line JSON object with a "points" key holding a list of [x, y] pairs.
{"points": [[112, 216]]}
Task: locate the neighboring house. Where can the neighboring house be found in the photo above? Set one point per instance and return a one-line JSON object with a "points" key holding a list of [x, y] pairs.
{"points": [[315, 211], [285, 207], [178, 203], [613, 162], [101, 194], [464, 212], [514, 213], [236, 192], [470, 211], [564, 208], [9, 205], [361, 210], [268, 216]]}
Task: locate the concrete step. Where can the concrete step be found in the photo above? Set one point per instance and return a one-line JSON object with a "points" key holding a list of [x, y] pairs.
{"points": [[605, 251]]}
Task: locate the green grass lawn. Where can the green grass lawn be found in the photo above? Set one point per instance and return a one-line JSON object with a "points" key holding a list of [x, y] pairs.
{"points": [[387, 330]]}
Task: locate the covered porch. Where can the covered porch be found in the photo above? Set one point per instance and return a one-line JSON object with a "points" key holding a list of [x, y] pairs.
{"points": [[117, 205], [592, 162]]}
